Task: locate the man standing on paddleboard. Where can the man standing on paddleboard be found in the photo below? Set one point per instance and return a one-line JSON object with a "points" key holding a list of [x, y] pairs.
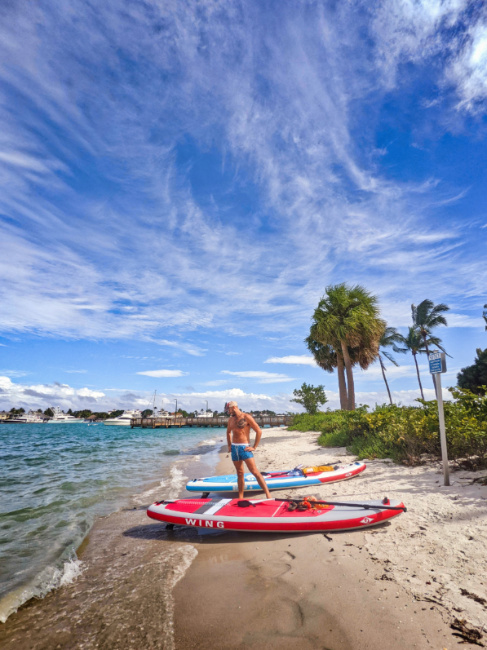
{"points": [[238, 437]]}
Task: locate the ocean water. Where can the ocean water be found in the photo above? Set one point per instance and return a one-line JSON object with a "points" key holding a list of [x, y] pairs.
{"points": [[56, 479]]}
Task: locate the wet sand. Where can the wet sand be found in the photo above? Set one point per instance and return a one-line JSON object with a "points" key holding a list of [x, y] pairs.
{"points": [[395, 586]]}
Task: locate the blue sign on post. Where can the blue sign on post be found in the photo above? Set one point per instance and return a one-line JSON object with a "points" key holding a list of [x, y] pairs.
{"points": [[437, 362]]}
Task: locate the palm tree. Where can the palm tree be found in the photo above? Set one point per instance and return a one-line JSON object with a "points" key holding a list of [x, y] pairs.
{"points": [[415, 344], [346, 319], [426, 316], [389, 339], [327, 359]]}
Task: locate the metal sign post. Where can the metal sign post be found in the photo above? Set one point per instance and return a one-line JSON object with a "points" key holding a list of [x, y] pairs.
{"points": [[437, 362]]}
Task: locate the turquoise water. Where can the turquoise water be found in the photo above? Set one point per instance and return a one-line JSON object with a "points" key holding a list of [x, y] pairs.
{"points": [[55, 479]]}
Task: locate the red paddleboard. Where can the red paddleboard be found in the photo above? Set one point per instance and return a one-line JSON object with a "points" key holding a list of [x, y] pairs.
{"points": [[272, 515]]}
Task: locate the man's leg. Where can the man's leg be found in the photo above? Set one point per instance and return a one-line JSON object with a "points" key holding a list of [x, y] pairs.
{"points": [[260, 479], [239, 466]]}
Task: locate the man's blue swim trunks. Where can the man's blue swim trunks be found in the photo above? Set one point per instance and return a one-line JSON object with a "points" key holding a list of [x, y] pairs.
{"points": [[239, 453]]}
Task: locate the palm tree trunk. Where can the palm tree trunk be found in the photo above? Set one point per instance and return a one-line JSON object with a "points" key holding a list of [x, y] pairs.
{"points": [[419, 378], [342, 385], [349, 371], [428, 357], [384, 375]]}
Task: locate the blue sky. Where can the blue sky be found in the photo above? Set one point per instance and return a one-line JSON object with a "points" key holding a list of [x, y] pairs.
{"points": [[181, 181]]}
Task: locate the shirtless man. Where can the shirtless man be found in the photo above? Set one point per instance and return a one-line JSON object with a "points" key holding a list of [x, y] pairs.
{"points": [[239, 425]]}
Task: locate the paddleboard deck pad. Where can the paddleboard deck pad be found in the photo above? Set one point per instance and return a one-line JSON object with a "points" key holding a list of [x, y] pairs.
{"points": [[284, 479], [272, 515]]}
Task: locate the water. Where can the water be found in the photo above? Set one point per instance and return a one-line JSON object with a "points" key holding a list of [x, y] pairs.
{"points": [[56, 479]]}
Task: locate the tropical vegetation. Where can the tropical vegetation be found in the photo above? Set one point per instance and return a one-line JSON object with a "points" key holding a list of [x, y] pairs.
{"points": [[407, 434], [311, 397], [345, 331], [474, 377]]}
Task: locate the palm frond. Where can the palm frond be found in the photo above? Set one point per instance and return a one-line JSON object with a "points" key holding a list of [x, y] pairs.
{"points": [[389, 356]]}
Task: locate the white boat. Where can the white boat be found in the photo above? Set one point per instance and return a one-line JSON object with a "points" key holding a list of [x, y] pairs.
{"points": [[63, 418], [123, 420], [26, 418], [205, 414]]}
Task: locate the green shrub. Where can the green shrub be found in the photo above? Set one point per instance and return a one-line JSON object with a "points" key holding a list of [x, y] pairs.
{"points": [[408, 433]]}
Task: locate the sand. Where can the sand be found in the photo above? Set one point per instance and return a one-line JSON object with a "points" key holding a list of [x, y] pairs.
{"points": [[397, 586], [400, 585]]}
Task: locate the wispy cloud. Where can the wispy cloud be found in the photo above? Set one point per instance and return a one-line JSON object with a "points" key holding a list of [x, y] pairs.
{"points": [[14, 373], [163, 373], [260, 376], [299, 360], [225, 164], [155, 256]]}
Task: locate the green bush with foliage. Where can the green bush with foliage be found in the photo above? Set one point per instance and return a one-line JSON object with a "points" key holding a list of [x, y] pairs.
{"points": [[407, 433]]}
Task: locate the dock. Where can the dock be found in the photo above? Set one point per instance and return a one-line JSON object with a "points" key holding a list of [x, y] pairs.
{"points": [[220, 421]]}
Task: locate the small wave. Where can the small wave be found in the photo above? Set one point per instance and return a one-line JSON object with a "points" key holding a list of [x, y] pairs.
{"points": [[72, 570], [178, 480], [176, 562], [171, 452], [141, 499], [47, 581]]}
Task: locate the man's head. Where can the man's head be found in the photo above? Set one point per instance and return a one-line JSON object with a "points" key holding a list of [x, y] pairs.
{"points": [[231, 406]]}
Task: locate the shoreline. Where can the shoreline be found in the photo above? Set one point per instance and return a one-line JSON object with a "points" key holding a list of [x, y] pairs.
{"points": [[399, 585], [124, 570]]}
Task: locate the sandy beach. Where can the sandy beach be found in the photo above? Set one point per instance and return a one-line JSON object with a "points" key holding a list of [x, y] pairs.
{"points": [[401, 585], [398, 586]]}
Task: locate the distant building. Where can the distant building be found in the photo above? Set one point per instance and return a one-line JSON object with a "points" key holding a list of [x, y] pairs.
{"points": [[204, 414]]}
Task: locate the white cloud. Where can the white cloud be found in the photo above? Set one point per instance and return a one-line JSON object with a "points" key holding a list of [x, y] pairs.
{"points": [[300, 360], [163, 373], [76, 372], [260, 376], [14, 373], [154, 259], [193, 350], [469, 70], [247, 401], [462, 320], [48, 395], [394, 373]]}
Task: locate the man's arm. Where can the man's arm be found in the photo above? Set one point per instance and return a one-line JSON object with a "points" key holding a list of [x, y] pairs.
{"points": [[229, 439], [258, 433]]}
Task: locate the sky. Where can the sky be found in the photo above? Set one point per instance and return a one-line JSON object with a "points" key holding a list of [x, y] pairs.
{"points": [[181, 181]]}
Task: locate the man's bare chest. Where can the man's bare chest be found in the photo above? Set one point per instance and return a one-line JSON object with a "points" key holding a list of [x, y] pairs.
{"points": [[240, 426]]}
